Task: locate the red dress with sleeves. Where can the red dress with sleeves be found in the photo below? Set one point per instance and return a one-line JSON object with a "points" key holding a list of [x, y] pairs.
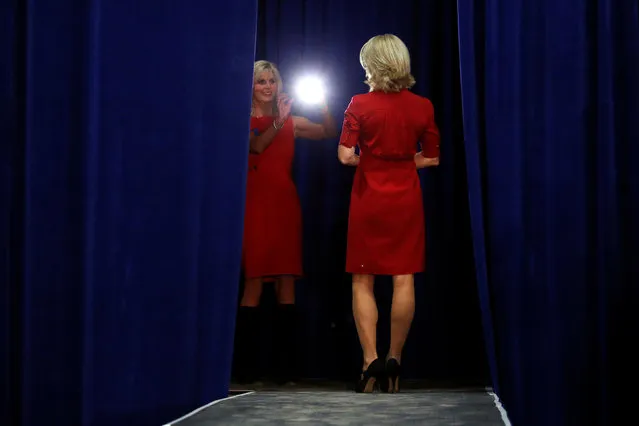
{"points": [[386, 230]]}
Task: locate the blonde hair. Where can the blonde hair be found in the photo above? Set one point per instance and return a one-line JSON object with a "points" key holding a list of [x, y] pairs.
{"points": [[386, 60], [265, 66]]}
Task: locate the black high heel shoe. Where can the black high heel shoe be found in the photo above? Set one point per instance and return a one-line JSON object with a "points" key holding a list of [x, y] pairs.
{"points": [[370, 378], [393, 370]]}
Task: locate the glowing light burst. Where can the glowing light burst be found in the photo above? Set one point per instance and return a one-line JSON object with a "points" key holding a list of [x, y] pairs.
{"points": [[310, 90]]}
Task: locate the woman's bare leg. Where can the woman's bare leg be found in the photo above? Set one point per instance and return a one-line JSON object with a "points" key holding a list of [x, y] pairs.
{"points": [[402, 312], [365, 314], [252, 292], [285, 290]]}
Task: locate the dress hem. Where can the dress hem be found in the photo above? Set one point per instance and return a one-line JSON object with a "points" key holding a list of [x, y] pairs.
{"points": [[361, 271], [273, 276]]}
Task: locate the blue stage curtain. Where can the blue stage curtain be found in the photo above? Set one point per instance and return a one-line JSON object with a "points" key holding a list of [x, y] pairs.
{"points": [[126, 137], [551, 100], [313, 37]]}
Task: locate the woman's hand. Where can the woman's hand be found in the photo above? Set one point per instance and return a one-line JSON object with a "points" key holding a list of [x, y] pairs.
{"points": [[347, 156], [284, 104], [422, 162]]}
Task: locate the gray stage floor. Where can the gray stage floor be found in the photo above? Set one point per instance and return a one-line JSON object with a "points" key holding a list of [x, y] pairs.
{"points": [[433, 408]]}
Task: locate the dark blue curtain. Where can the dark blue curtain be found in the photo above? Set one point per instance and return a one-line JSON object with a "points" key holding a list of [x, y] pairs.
{"points": [[324, 38], [124, 151], [551, 100], [10, 86]]}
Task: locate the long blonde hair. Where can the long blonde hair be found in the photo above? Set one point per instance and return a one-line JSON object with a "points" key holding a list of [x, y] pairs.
{"points": [[265, 66], [386, 60]]}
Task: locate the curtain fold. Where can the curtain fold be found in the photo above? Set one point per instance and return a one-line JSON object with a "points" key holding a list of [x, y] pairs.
{"points": [[549, 94], [133, 156]]}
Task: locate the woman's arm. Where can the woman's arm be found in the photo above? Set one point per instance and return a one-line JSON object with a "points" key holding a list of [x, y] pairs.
{"points": [[350, 136], [306, 129], [422, 162], [259, 142], [347, 156], [429, 156]]}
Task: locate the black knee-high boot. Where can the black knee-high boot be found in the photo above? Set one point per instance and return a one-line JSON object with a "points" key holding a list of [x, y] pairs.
{"points": [[286, 349], [247, 332]]}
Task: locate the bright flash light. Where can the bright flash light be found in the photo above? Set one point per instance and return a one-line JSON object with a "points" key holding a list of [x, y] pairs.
{"points": [[310, 90]]}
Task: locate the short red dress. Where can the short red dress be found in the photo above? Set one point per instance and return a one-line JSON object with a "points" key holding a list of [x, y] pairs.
{"points": [[386, 229], [272, 243]]}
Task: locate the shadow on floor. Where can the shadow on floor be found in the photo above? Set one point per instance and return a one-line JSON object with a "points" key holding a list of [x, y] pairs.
{"points": [[340, 386]]}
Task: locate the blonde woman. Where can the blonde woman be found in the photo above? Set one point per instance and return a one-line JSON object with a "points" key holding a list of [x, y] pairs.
{"points": [[272, 249], [386, 231]]}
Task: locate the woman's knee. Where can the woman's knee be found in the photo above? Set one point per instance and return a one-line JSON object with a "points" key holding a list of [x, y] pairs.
{"points": [[252, 292], [403, 281], [363, 282], [285, 290]]}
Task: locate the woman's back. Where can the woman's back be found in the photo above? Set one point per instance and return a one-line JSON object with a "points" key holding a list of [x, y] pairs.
{"points": [[390, 126], [386, 220], [386, 231]]}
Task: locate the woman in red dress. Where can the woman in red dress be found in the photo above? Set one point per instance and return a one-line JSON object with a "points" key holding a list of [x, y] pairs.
{"points": [[386, 231], [272, 249]]}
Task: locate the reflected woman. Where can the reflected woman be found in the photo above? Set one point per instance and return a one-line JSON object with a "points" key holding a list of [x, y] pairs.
{"points": [[272, 249], [386, 230]]}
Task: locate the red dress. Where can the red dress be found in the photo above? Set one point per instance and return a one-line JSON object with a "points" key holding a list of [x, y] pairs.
{"points": [[273, 217], [386, 230]]}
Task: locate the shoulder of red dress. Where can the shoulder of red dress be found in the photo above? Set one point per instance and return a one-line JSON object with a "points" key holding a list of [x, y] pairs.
{"points": [[263, 118], [421, 100], [360, 98]]}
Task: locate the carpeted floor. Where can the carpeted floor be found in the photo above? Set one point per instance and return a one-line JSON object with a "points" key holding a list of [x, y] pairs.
{"points": [[433, 408]]}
